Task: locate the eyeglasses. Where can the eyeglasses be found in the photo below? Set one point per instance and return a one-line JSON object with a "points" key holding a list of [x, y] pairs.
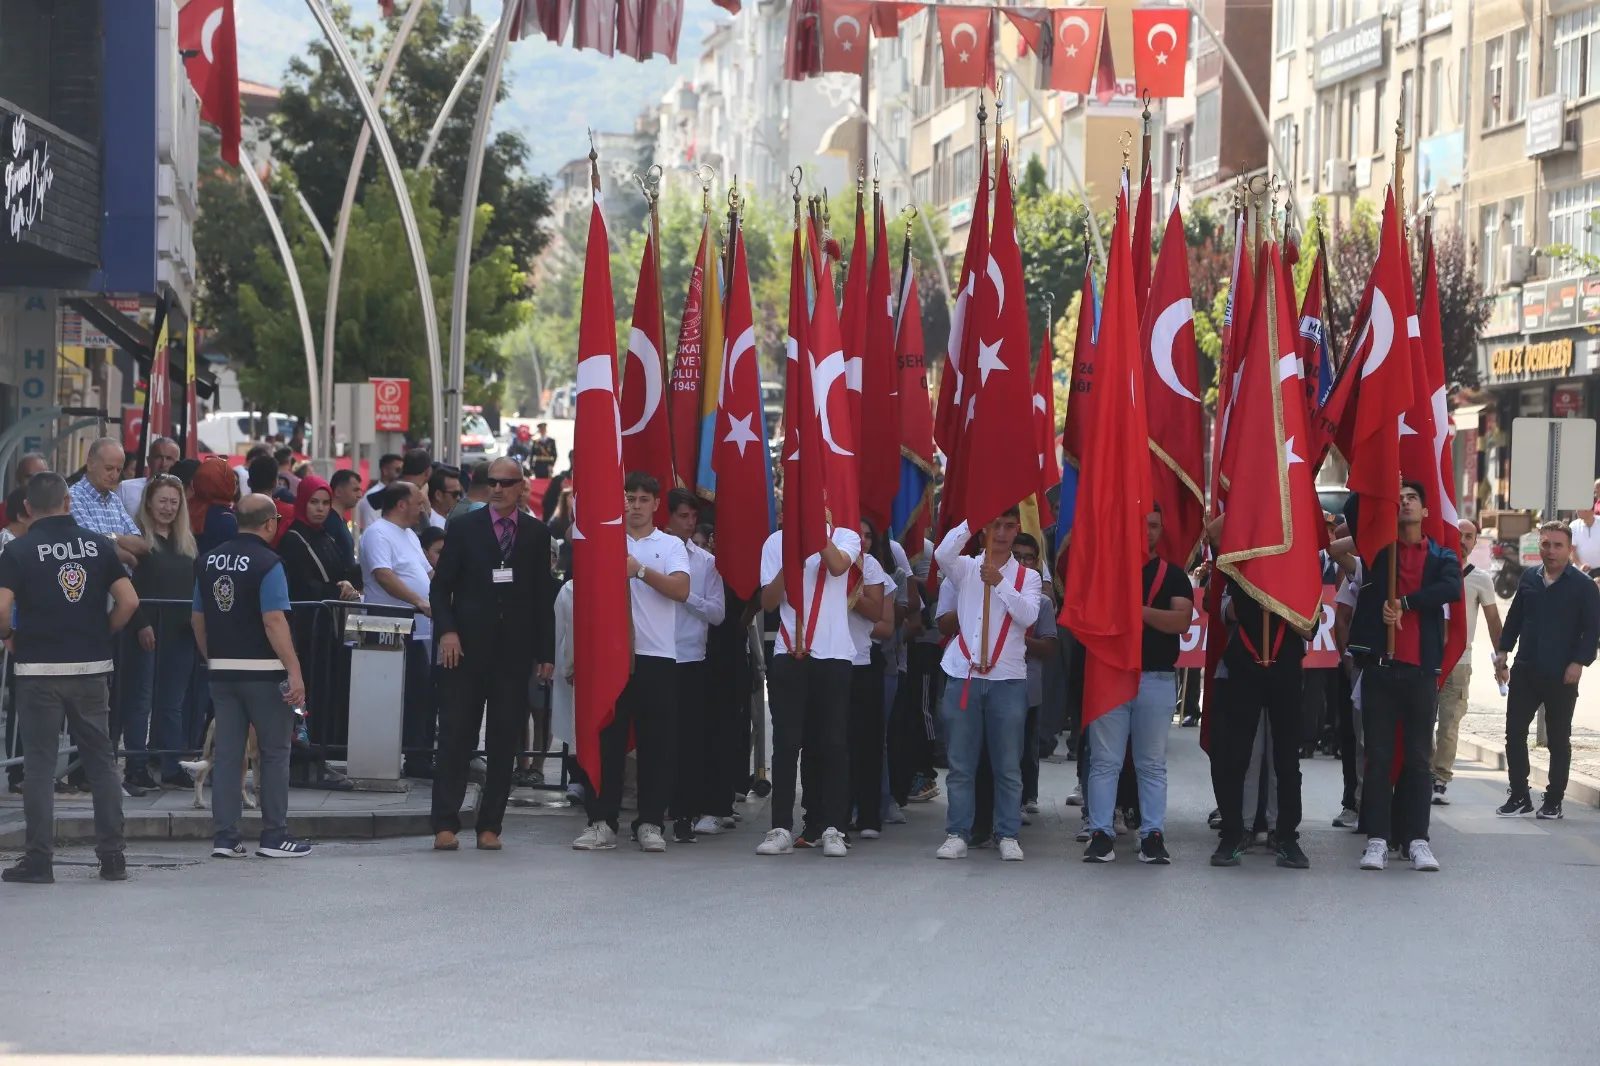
{"points": [[274, 519], [457, 493], [167, 479], [505, 482]]}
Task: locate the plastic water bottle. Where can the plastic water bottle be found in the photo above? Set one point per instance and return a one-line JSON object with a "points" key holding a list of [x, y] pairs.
{"points": [[1504, 688]]}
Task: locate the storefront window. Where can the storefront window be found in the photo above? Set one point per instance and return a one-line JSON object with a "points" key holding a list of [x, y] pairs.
{"points": [[50, 62]]}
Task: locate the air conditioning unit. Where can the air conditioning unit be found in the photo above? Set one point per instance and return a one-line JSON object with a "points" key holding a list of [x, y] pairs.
{"points": [[1518, 263], [1338, 178]]}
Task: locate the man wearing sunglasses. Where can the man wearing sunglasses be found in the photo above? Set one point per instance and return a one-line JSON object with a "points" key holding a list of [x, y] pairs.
{"points": [[444, 492]]}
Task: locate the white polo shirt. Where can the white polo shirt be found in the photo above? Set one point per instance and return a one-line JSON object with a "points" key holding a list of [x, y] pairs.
{"points": [[655, 617], [1007, 600], [860, 626], [706, 606], [831, 637], [1586, 542], [1478, 593], [386, 546]]}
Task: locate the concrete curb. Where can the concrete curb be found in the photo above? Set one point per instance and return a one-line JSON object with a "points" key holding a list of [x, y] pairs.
{"points": [[1581, 788], [77, 826]]}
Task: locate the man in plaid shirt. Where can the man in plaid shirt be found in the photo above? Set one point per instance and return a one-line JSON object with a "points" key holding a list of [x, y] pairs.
{"points": [[96, 505]]}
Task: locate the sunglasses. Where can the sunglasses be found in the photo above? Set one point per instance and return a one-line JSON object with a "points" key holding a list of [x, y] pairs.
{"points": [[505, 482]]}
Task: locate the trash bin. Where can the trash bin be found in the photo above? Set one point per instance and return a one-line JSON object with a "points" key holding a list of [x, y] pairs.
{"points": [[377, 697]]}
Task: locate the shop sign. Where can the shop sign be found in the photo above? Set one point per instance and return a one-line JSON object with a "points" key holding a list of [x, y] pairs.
{"points": [[1505, 314], [1561, 304], [1343, 55], [1589, 302], [1539, 357], [28, 177], [1545, 130], [1566, 401], [1533, 299]]}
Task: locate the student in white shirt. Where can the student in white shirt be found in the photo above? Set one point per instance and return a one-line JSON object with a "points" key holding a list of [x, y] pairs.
{"points": [[871, 621], [986, 694], [658, 572], [810, 695], [705, 607]]}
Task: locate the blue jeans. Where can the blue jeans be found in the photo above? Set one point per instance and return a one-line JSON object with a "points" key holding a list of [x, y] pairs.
{"points": [[156, 688], [996, 710], [1147, 717]]}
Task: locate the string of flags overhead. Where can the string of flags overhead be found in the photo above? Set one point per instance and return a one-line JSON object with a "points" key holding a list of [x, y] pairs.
{"points": [[1073, 45]]}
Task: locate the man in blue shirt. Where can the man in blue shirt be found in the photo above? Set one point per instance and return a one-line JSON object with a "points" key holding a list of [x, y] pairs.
{"points": [[241, 626]]}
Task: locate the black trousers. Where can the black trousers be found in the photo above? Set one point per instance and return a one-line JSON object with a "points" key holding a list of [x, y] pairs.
{"points": [[482, 680], [419, 722], [1250, 689], [866, 742], [726, 723], [1030, 758], [1344, 694], [810, 710], [689, 778], [1397, 694], [1527, 692], [911, 723], [648, 707]]}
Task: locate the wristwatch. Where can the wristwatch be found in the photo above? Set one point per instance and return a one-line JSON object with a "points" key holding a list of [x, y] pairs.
{"points": [[640, 574]]}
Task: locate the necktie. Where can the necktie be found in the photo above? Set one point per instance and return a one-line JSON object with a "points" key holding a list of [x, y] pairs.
{"points": [[508, 533]]}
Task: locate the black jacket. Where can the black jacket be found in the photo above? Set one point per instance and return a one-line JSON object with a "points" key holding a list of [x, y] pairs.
{"points": [[1441, 584], [515, 618], [1558, 625]]}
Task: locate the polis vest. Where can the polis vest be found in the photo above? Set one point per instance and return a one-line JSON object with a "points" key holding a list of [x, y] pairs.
{"points": [[229, 578], [61, 575]]}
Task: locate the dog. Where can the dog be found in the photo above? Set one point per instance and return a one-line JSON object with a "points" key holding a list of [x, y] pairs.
{"points": [[202, 769]]}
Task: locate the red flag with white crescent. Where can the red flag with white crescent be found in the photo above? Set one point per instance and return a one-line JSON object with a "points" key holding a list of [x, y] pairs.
{"points": [[880, 387], [1160, 50], [739, 447], [830, 382], [207, 31], [1076, 49], [1173, 399], [805, 522], [845, 25], [1442, 491], [601, 613], [646, 436], [967, 37], [950, 416]]}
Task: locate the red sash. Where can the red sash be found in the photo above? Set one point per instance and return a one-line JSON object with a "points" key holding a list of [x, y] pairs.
{"points": [[811, 622], [1000, 642]]}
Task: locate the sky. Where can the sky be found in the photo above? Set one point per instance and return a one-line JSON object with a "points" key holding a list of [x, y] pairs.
{"points": [[556, 91]]}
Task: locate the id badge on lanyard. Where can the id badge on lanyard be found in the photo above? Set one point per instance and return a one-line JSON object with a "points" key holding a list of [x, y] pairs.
{"points": [[502, 575]]}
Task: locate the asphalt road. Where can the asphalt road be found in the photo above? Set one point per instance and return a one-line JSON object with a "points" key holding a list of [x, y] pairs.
{"points": [[710, 954]]}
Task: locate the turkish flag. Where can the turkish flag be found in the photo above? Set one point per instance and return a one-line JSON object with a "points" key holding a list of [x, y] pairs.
{"points": [[1314, 355], [887, 16], [602, 660], [594, 26], [207, 29], [1235, 330], [1103, 603], [688, 367], [913, 500], [730, 6], [386, 8], [646, 437], [853, 314], [1160, 50], [880, 387], [663, 25], [967, 37], [630, 29], [1077, 428], [1172, 398], [1442, 492], [1076, 48], [1000, 427], [1044, 427], [802, 49], [805, 523], [959, 376], [1268, 544], [554, 17], [830, 382], [845, 24], [1030, 24], [739, 447], [1141, 243], [518, 15], [1369, 429]]}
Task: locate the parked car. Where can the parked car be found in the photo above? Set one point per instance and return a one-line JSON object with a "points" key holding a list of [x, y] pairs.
{"points": [[232, 432], [477, 439]]}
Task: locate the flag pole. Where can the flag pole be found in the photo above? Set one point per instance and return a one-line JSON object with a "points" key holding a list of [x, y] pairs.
{"points": [[983, 148], [798, 644], [1144, 158], [1399, 193]]}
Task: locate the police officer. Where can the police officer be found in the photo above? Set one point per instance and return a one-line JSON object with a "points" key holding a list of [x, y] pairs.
{"points": [[241, 625], [57, 576]]}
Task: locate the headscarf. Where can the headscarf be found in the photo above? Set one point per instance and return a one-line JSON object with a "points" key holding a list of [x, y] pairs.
{"points": [[302, 498], [213, 486]]}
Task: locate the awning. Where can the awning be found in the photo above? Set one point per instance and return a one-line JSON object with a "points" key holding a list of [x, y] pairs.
{"points": [[842, 137], [124, 332]]}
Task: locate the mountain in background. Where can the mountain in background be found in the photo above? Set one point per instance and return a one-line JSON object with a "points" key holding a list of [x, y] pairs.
{"points": [[557, 92]]}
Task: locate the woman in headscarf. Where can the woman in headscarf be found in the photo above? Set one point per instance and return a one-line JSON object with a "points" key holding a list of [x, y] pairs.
{"points": [[312, 560], [211, 495]]}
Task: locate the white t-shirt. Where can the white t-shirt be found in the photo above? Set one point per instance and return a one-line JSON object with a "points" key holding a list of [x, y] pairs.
{"points": [[706, 606], [437, 520], [386, 546], [1020, 604], [1478, 593], [366, 513], [1586, 542], [861, 627], [655, 617], [132, 493], [830, 638]]}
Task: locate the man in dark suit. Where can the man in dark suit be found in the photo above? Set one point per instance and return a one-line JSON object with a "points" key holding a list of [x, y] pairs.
{"points": [[492, 594]]}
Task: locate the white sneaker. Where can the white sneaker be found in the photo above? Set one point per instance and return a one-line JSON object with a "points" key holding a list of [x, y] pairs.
{"points": [[707, 826], [1076, 798], [650, 838], [598, 837], [1031, 807], [952, 848], [1422, 857], [894, 815], [870, 834], [1348, 819], [1010, 850], [833, 845], [1376, 857], [778, 842]]}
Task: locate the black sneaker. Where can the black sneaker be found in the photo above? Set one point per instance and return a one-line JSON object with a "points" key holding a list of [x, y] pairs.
{"points": [[113, 867], [1100, 849], [139, 777], [1190, 721], [1292, 856], [181, 781], [683, 831], [1214, 819], [1439, 797], [286, 848], [1227, 853], [1153, 850], [229, 849], [30, 871], [130, 787], [1517, 804], [1550, 810]]}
